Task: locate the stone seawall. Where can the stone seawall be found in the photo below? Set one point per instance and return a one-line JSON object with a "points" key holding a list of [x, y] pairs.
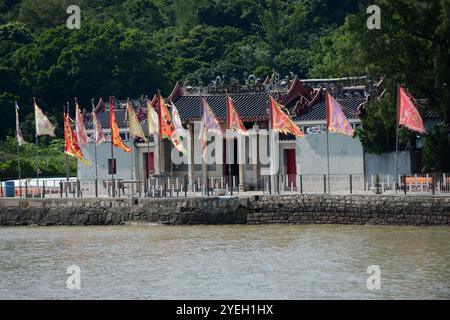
{"points": [[293, 209], [350, 209], [120, 211]]}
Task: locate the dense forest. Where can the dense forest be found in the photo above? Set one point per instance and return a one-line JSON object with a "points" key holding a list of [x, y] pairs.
{"points": [[133, 47]]}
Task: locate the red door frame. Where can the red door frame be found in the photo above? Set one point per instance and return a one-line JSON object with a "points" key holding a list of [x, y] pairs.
{"points": [[291, 166], [149, 160]]}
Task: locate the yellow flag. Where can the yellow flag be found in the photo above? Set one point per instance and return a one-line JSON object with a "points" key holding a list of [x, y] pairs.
{"points": [[135, 127], [152, 119]]}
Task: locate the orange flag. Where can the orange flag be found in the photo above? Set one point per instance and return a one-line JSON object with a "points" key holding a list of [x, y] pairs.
{"points": [[234, 121], [282, 122], [167, 127], [166, 124], [71, 146], [408, 115], [115, 135]]}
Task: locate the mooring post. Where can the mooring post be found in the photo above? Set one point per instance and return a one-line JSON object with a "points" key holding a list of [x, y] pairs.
{"points": [[78, 188], [231, 184], [433, 175], [324, 183], [351, 184], [301, 184], [270, 184], [404, 184]]}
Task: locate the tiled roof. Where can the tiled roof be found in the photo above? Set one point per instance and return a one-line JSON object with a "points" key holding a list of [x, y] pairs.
{"points": [[318, 111], [287, 137], [250, 106], [120, 110]]}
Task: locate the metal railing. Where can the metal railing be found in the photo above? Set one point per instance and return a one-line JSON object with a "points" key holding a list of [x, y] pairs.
{"points": [[170, 186]]}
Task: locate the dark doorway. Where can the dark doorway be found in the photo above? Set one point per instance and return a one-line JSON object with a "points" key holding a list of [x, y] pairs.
{"points": [[149, 160], [234, 165], [291, 166]]}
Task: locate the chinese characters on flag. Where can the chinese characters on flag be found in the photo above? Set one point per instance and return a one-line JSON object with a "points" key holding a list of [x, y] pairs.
{"points": [[408, 115]]}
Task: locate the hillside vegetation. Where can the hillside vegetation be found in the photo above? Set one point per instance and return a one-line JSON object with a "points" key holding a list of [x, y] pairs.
{"points": [[133, 47]]}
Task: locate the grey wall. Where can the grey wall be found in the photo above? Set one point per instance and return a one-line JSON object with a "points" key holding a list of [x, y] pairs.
{"points": [[346, 154], [385, 163], [123, 161]]}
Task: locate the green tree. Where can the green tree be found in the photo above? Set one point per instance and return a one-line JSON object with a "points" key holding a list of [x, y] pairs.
{"points": [[411, 48], [436, 153], [101, 59], [43, 14], [143, 15], [52, 160], [12, 37]]}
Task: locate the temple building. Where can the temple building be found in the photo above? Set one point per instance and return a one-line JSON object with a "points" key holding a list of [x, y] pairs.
{"points": [[305, 100]]}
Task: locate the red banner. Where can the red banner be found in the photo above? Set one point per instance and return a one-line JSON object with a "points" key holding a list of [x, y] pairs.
{"points": [[282, 122], [408, 115]]}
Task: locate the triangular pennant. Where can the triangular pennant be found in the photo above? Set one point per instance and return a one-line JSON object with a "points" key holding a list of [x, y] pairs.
{"points": [[115, 133], [81, 130], [210, 124], [234, 121], [282, 122], [98, 130], [19, 135], [135, 127], [152, 119], [43, 126], [167, 128], [337, 122], [408, 114]]}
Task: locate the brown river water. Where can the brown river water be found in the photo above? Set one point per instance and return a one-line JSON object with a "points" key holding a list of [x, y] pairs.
{"points": [[225, 262]]}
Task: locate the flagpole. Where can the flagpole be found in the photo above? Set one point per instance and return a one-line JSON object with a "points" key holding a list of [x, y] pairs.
{"points": [[67, 157], [18, 153], [204, 168], [396, 142], [160, 156], [37, 149], [77, 109], [328, 161], [113, 187], [229, 145], [133, 177], [328, 147], [95, 150], [159, 131], [147, 172], [270, 144]]}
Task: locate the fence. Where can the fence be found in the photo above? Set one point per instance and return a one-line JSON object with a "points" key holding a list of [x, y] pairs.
{"points": [[220, 186], [151, 187]]}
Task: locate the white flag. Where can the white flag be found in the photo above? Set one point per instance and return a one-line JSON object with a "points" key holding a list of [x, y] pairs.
{"points": [[177, 122]]}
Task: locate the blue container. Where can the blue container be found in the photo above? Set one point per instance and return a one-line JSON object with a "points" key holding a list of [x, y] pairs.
{"points": [[9, 189]]}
